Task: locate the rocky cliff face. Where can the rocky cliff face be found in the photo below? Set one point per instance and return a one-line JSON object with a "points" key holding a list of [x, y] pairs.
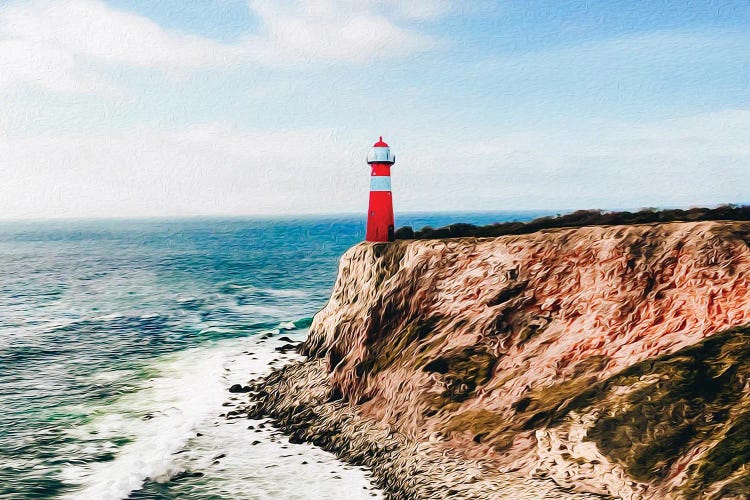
{"points": [[610, 359]]}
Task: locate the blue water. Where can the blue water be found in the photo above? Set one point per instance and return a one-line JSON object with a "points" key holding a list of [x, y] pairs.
{"points": [[96, 316]]}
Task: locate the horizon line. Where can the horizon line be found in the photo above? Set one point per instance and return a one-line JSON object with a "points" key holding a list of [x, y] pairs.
{"points": [[328, 215]]}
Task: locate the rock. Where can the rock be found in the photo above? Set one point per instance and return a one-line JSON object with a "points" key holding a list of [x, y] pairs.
{"points": [[404, 233], [186, 475], [239, 388], [256, 443], [286, 348]]}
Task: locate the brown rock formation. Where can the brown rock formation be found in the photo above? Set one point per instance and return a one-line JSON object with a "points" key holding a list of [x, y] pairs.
{"points": [[575, 354]]}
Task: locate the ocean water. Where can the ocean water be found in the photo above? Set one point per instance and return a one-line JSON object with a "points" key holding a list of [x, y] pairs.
{"points": [[120, 338]]}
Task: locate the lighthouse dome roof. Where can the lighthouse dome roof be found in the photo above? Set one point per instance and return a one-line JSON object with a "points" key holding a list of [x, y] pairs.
{"points": [[381, 153]]}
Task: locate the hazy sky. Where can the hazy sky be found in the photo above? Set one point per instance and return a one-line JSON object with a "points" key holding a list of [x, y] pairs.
{"points": [[145, 108]]}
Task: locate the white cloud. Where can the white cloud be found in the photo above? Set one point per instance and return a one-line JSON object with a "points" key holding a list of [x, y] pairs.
{"points": [[57, 44], [47, 67], [405, 9], [422, 9], [333, 30], [52, 44], [91, 29], [217, 169], [698, 160], [208, 169]]}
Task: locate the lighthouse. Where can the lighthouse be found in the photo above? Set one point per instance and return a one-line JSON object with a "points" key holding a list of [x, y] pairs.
{"points": [[380, 213]]}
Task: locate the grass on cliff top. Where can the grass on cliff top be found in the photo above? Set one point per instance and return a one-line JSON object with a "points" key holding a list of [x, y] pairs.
{"points": [[698, 395], [646, 416], [656, 411], [578, 219]]}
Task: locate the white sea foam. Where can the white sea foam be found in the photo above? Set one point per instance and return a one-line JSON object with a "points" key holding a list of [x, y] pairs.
{"points": [[159, 419], [109, 317], [107, 376], [30, 328], [291, 293], [186, 299], [185, 399], [276, 292], [254, 310]]}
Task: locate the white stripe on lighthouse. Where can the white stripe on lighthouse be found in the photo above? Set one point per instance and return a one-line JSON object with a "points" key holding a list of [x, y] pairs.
{"points": [[380, 183]]}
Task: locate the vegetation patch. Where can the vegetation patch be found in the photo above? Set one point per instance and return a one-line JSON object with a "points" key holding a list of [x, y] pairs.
{"points": [[729, 458], [578, 218], [697, 395], [650, 414], [463, 370], [484, 425], [388, 259], [410, 340]]}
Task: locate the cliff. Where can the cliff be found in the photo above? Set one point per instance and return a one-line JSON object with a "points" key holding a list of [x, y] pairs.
{"points": [[610, 359]]}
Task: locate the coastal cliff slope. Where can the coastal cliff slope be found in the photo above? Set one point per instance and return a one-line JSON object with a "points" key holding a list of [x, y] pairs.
{"points": [[610, 359]]}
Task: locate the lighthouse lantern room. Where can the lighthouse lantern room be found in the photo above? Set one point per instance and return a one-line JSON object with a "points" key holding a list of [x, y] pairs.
{"points": [[380, 213]]}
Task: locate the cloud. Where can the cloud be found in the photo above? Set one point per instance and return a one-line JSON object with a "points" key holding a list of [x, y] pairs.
{"points": [[48, 67], [698, 160], [638, 67], [337, 30], [206, 169], [54, 44], [217, 169], [422, 9], [91, 29], [61, 45], [405, 9]]}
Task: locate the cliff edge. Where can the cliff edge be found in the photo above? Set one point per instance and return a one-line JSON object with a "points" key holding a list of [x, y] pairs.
{"points": [[611, 360]]}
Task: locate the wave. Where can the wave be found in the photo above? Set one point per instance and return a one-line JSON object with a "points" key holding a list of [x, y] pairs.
{"points": [[234, 288], [139, 436]]}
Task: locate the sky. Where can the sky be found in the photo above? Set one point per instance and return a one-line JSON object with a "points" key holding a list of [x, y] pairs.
{"points": [[115, 108]]}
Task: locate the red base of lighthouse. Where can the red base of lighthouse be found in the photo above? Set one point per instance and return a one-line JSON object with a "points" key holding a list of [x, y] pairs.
{"points": [[380, 217]]}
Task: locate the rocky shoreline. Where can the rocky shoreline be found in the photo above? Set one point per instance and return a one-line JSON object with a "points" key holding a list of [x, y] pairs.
{"points": [[299, 399]]}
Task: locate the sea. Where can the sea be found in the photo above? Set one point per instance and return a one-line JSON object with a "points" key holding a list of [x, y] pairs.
{"points": [[120, 338]]}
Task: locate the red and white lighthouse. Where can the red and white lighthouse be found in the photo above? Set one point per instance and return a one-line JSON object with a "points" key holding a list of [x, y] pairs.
{"points": [[380, 214]]}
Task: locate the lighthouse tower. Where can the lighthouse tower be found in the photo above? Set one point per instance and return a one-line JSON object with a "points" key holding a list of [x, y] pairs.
{"points": [[380, 214]]}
